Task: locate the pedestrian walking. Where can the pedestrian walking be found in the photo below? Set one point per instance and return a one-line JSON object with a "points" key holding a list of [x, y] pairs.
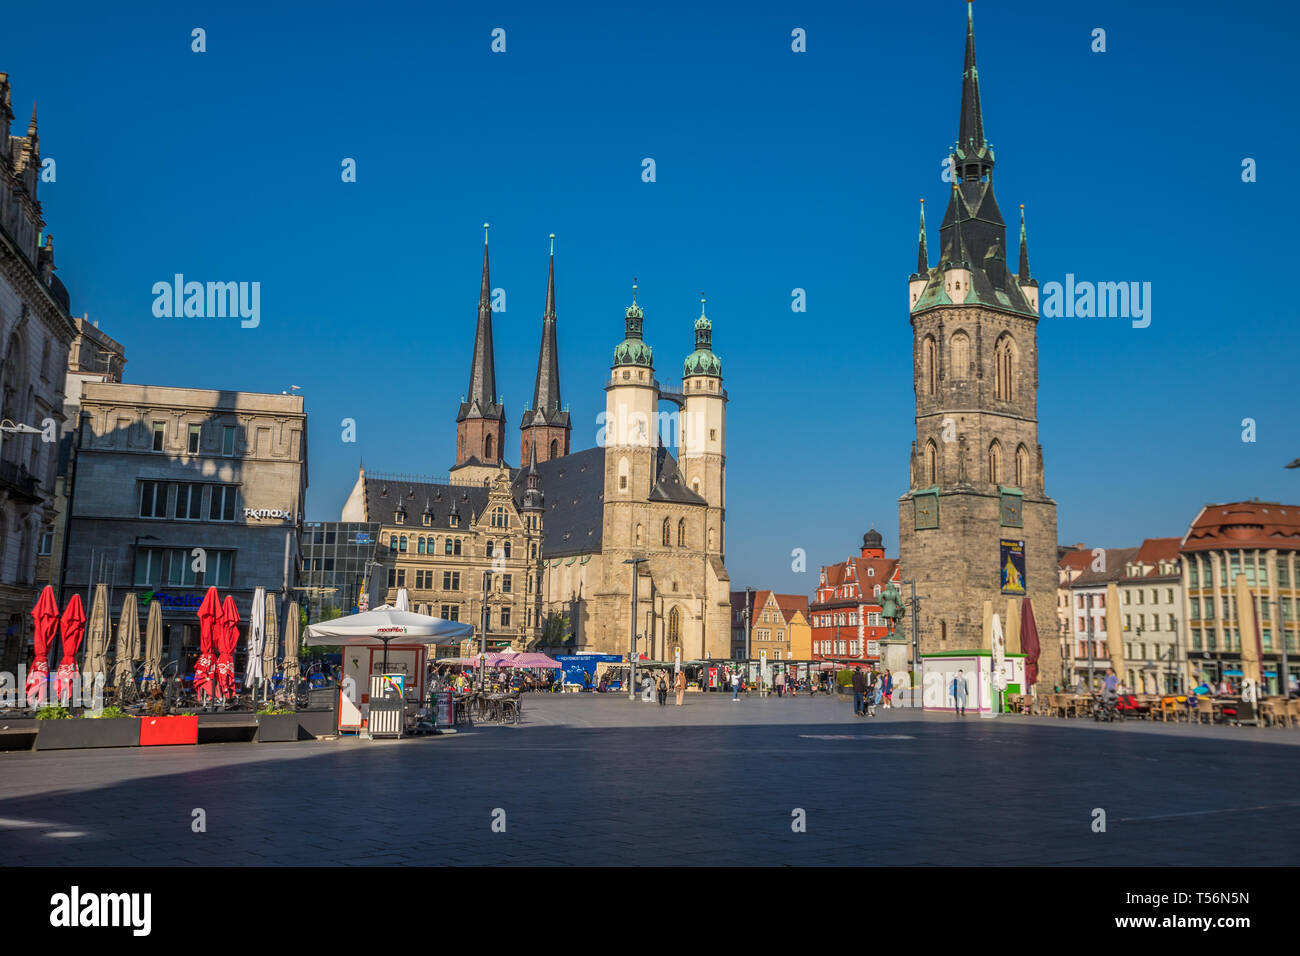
{"points": [[780, 683], [735, 686], [663, 690], [859, 691], [873, 690], [959, 689], [889, 690], [680, 683]]}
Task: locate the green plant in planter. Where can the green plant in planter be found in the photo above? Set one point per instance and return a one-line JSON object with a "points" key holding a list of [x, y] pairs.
{"points": [[112, 712], [273, 711], [53, 712]]}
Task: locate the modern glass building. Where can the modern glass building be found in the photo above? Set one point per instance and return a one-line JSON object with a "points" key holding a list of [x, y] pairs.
{"points": [[338, 558]]}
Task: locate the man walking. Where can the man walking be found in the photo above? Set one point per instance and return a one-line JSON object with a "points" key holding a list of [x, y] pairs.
{"points": [[873, 688], [859, 691], [679, 683], [735, 686], [959, 694]]}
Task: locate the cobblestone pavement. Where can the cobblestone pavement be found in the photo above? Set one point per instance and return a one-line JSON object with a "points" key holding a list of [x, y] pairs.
{"points": [[597, 779]]}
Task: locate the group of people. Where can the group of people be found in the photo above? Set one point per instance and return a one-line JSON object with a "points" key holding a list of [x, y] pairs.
{"points": [[678, 685], [871, 689]]}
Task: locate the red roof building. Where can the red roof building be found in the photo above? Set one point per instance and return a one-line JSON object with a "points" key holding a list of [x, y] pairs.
{"points": [[845, 613]]}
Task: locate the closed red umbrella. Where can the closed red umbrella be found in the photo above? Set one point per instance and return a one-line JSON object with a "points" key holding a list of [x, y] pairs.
{"points": [[227, 640], [73, 627], [209, 618], [45, 616], [1029, 641]]}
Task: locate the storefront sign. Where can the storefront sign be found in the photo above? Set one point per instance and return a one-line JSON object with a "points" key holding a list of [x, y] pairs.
{"points": [[171, 600], [274, 513]]}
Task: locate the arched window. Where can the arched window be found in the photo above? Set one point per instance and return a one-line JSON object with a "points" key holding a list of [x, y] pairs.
{"points": [[1022, 467], [622, 474], [681, 532], [668, 533], [457, 548], [447, 546], [419, 546], [638, 534], [674, 628], [995, 461], [931, 464], [1004, 368], [402, 548], [555, 448], [506, 548], [487, 448], [959, 354], [927, 365], [710, 539]]}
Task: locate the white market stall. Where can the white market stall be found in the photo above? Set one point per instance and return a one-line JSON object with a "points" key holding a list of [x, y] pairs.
{"points": [[384, 652]]}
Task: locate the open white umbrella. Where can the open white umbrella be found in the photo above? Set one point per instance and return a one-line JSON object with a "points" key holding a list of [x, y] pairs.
{"points": [[383, 625], [253, 674]]}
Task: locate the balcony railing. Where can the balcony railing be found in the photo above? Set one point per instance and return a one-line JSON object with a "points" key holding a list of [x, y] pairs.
{"points": [[15, 477]]}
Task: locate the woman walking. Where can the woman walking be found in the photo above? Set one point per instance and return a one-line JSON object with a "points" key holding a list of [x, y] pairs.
{"points": [[889, 690], [663, 690]]}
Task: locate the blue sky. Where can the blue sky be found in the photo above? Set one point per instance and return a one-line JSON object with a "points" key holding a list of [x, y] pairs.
{"points": [[775, 171]]}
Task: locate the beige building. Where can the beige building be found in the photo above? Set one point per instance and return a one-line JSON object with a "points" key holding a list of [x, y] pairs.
{"points": [[1151, 602], [554, 538]]}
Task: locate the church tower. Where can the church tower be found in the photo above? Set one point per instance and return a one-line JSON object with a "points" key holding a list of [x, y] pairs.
{"points": [[702, 441], [631, 416], [976, 524], [545, 425], [481, 422]]}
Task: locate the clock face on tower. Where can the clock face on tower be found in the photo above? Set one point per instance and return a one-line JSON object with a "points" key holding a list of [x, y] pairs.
{"points": [[1013, 511], [925, 509]]}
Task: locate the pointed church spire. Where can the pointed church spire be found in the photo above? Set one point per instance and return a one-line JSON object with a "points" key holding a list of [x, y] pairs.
{"points": [[1024, 247], [971, 130], [922, 256], [546, 391], [31, 127], [482, 372]]}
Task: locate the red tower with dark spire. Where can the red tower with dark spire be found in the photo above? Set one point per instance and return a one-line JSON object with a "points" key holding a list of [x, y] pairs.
{"points": [[481, 423], [545, 425]]}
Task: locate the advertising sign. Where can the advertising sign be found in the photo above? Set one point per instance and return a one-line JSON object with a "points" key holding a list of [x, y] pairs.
{"points": [[1012, 565]]}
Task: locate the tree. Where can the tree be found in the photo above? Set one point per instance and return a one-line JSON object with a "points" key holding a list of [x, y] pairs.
{"points": [[556, 630]]}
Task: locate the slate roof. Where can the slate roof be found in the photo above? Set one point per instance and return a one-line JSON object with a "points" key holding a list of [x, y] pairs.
{"points": [[671, 486], [384, 495], [574, 490], [1116, 558]]}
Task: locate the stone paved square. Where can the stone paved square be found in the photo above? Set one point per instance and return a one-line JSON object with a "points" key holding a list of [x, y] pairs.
{"points": [[597, 779]]}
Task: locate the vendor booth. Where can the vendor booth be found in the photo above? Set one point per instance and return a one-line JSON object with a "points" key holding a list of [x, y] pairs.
{"points": [[384, 653]]}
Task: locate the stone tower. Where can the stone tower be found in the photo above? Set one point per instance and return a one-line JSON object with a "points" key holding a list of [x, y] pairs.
{"points": [[631, 416], [976, 478], [545, 425], [702, 444], [481, 422]]}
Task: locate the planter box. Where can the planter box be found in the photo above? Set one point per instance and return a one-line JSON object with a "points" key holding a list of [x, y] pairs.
{"points": [[277, 728], [318, 723], [80, 732], [161, 731]]}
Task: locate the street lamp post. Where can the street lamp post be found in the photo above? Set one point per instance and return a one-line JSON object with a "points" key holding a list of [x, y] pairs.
{"points": [[631, 657]]}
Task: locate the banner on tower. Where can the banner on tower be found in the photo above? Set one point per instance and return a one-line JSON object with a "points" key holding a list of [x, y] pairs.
{"points": [[1012, 564]]}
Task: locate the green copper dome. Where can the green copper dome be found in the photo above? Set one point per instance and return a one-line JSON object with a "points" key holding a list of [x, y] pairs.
{"points": [[633, 350], [702, 361]]}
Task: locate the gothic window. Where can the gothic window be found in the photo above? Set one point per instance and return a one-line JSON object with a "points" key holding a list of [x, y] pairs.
{"points": [[1004, 370], [995, 462], [555, 448], [668, 533], [931, 464], [927, 365], [681, 533], [487, 448], [1022, 467], [674, 627], [959, 354]]}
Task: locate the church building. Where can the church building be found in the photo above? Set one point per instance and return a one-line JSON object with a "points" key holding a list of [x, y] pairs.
{"points": [[976, 525], [559, 537]]}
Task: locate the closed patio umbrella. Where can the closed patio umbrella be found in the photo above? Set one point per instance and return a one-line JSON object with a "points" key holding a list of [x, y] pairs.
{"points": [[128, 643], [45, 618], [209, 617], [256, 638], [1029, 641], [403, 600], [1248, 629], [292, 629], [227, 635], [73, 628], [97, 635], [271, 647], [153, 645], [1114, 633]]}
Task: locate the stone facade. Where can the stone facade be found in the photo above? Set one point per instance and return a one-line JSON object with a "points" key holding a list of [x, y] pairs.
{"points": [[35, 335], [161, 472], [976, 473]]}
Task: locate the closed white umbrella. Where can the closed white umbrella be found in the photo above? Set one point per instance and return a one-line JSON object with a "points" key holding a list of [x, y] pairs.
{"points": [[403, 600], [291, 631], [254, 675]]}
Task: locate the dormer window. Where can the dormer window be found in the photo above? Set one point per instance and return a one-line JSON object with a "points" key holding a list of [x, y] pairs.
{"points": [[871, 572], [428, 519], [455, 521], [399, 517]]}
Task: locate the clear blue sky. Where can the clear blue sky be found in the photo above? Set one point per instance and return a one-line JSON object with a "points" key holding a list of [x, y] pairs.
{"points": [[776, 170]]}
